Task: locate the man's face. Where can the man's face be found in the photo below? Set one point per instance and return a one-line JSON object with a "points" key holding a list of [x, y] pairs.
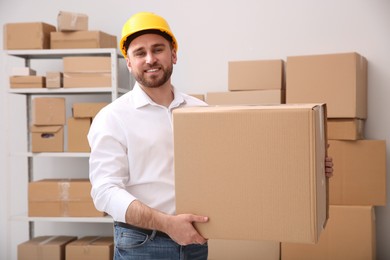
{"points": [[150, 59]]}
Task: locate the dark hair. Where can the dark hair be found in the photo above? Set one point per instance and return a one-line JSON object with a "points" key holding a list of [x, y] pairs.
{"points": [[150, 31]]}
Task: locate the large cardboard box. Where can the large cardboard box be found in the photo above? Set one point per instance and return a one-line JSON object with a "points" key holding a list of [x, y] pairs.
{"points": [[48, 138], [240, 249], [48, 111], [251, 97], [345, 128], [61, 198], [339, 80], [44, 248], [257, 172], [91, 248], [87, 64], [255, 75], [87, 110], [359, 172], [71, 21], [87, 80], [27, 82], [77, 134], [349, 234], [82, 40], [25, 36]]}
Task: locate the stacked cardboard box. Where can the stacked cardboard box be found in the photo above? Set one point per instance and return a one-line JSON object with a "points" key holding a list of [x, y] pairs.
{"points": [[359, 181], [48, 120], [79, 124], [252, 83], [71, 22]]}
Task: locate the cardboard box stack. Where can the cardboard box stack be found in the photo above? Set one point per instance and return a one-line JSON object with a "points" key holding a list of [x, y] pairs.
{"points": [[252, 83], [359, 181], [61, 198], [25, 77], [48, 120], [79, 124], [87, 71]]}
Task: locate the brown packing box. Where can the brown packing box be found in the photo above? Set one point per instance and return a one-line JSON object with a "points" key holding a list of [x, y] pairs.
{"points": [[255, 75], [54, 79], [27, 82], [349, 234], [87, 110], [229, 157], [198, 96], [87, 80], [339, 80], [44, 248], [345, 128], [82, 40], [240, 249], [87, 64], [77, 134], [47, 138], [70, 21], [359, 172], [48, 111], [252, 97], [61, 198], [91, 248], [37, 33]]}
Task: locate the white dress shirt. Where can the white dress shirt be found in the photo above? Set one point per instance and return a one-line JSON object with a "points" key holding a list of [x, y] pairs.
{"points": [[131, 158]]}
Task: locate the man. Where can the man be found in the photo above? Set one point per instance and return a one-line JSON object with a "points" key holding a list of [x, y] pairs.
{"points": [[131, 161]]}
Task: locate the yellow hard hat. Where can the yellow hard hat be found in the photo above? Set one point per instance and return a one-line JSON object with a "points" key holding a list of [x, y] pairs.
{"points": [[141, 22]]}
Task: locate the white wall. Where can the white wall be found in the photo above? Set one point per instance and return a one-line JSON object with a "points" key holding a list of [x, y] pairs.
{"points": [[211, 33]]}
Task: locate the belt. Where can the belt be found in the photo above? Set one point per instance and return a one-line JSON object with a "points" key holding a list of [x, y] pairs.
{"points": [[148, 232]]}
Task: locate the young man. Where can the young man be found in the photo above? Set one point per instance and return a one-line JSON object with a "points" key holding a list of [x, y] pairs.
{"points": [[131, 161]]}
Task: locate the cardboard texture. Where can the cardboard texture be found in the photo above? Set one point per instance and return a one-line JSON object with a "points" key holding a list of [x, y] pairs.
{"points": [[44, 248], [91, 248], [255, 75], [339, 80], [252, 97], [61, 198], [77, 134], [48, 111], [54, 79], [345, 128], [87, 110], [240, 249], [47, 138], [349, 234], [359, 172], [37, 33], [87, 80], [82, 40], [198, 96], [27, 82], [228, 167], [87, 64], [71, 21]]}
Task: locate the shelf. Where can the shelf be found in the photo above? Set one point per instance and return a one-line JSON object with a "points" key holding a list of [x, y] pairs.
{"points": [[60, 53], [47, 91], [107, 219]]}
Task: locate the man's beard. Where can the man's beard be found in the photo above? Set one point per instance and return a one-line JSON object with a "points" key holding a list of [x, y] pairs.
{"points": [[154, 82]]}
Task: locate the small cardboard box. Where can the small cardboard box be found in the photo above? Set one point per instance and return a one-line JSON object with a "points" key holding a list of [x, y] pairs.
{"points": [[48, 111], [87, 110], [77, 134], [44, 248], [47, 138], [91, 248], [345, 128], [339, 80], [256, 75], [82, 40], [266, 163], [27, 82], [25, 36], [87, 64], [251, 97], [54, 79], [61, 198], [71, 21], [359, 172], [349, 234]]}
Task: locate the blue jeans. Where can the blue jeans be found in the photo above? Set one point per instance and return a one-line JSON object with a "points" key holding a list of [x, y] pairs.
{"points": [[132, 244]]}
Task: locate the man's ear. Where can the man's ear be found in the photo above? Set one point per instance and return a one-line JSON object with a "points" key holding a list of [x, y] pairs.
{"points": [[128, 63], [174, 56]]}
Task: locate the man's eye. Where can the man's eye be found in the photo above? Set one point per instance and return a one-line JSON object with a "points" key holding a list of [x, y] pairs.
{"points": [[139, 54], [158, 50]]}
